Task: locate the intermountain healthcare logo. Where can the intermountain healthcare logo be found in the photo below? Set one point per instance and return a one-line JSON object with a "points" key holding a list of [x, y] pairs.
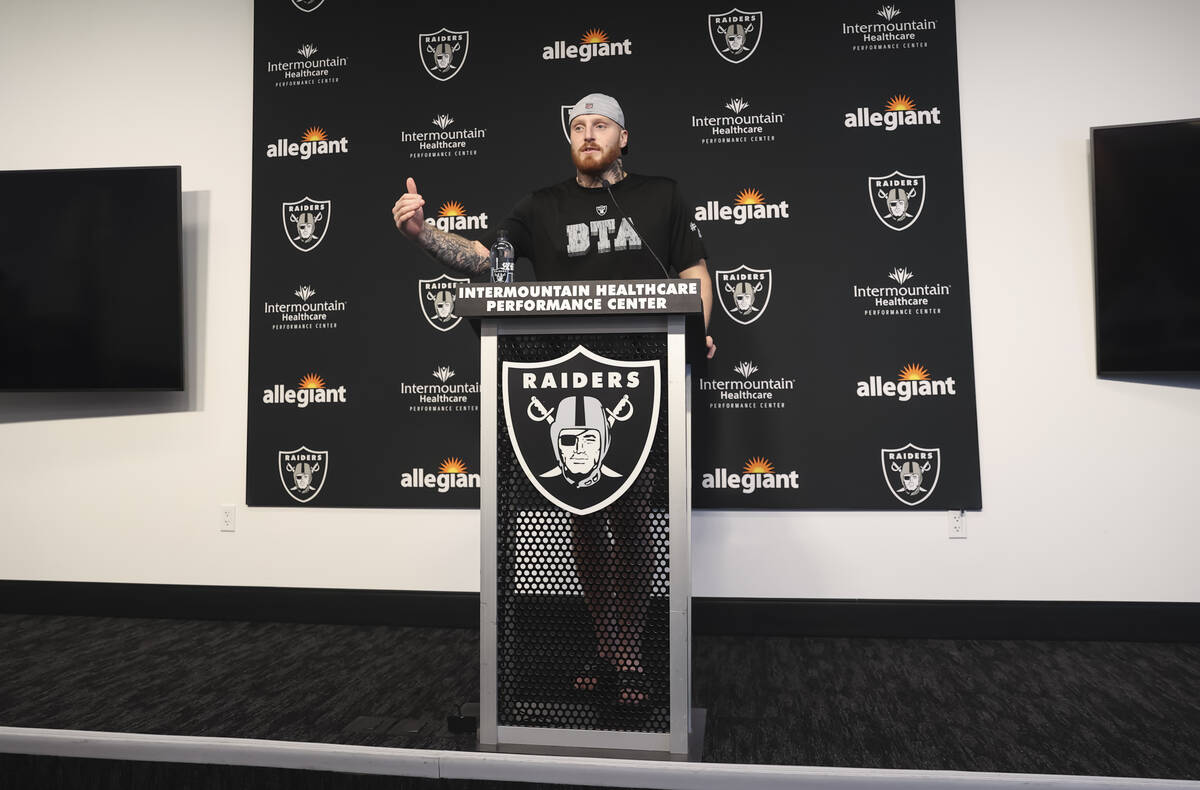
{"points": [[913, 382], [444, 53], [900, 299], [757, 474], [453, 216], [747, 391], [911, 472], [305, 222], [592, 44], [735, 34], [581, 425], [303, 472], [314, 143], [310, 390], [445, 396], [897, 199], [452, 473], [437, 300], [750, 204], [889, 32], [737, 126], [900, 111], [744, 292], [445, 141], [304, 314], [310, 71]]}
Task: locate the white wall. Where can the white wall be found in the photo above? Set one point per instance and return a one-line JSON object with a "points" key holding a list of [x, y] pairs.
{"points": [[1087, 485]]}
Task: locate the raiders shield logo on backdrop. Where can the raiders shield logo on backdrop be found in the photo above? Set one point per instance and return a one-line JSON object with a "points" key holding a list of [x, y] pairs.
{"points": [[302, 472], [911, 472], [581, 425], [444, 53], [735, 34], [307, 5], [744, 292], [566, 116], [437, 300], [305, 222], [897, 199]]}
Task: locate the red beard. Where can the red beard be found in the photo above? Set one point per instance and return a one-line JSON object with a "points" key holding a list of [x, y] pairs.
{"points": [[595, 163]]}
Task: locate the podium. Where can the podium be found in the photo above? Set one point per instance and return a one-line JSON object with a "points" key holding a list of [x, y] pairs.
{"points": [[585, 462]]}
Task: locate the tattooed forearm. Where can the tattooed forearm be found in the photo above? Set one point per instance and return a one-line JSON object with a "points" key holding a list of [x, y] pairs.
{"points": [[452, 250]]}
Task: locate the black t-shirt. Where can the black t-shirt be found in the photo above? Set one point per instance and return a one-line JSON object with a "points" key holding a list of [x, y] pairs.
{"points": [[571, 232]]}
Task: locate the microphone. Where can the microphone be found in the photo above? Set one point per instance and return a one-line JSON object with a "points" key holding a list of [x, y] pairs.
{"points": [[604, 183]]}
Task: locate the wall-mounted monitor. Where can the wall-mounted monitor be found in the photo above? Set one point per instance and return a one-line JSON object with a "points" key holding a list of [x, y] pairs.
{"points": [[1146, 193], [90, 279]]}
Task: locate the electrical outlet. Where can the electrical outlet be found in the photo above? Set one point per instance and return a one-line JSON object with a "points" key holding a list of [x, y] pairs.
{"points": [[958, 523], [229, 518]]}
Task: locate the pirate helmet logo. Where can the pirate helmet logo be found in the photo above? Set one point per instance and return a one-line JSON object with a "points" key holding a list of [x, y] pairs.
{"points": [[444, 53], [897, 199], [302, 472], [566, 117], [581, 425], [735, 34], [911, 472], [437, 300], [744, 292], [306, 221]]}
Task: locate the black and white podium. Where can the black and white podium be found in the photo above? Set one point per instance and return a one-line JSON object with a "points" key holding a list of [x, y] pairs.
{"points": [[585, 589]]}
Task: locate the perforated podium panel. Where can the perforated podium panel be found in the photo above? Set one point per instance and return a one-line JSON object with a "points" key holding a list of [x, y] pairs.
{"points": [[585, 586], [582, 600]]}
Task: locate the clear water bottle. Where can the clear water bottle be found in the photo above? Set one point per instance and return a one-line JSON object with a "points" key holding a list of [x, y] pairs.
{"points": [[504, 259]]}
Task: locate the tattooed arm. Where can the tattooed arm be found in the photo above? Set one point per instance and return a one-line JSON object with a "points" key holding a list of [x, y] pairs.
{"points": [[456, 252]]}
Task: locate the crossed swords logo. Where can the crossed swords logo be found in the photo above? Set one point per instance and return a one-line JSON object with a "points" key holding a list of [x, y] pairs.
{"points": [[537, 411]]}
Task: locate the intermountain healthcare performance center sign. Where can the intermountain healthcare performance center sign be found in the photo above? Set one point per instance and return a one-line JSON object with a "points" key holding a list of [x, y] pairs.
{"points": [[819, 148]]}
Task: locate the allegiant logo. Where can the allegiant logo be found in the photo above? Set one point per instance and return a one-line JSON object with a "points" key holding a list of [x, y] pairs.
{"points": [[758, 473], [453, 216], [592, 44], [750, 204], [314, 143], [900, 111], [452, 473]]}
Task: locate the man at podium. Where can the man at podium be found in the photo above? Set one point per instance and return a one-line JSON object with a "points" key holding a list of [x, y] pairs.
{"points": [[605, 223]]}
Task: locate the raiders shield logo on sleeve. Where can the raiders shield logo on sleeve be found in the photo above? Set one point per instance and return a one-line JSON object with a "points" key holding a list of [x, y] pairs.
{"points": [[302, 472], [581, 425], [897, 198], [744, 292], [305, 222], [735, 34], [911, 472], [437, 300], [444, 53]]}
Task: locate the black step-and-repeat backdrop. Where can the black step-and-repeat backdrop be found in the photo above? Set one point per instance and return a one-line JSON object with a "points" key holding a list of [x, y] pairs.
{"points": [[820, 147]]}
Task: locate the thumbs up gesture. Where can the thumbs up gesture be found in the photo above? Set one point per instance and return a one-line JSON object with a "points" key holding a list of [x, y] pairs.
{"points": [[409, 211]]}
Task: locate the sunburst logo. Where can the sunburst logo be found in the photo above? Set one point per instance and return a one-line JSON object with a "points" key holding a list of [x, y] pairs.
{"points": [[913, 381], [901, 275], [453, 216], [315, 142], [312, 382], [759, 466], [594, 43], [737, 105], [307, 51], [305, 292], [452, 466], [749, 197], [313, 134], [310, 390], [900, 103], [452, 209], [900, 110], [912, 372], [442, 121]]}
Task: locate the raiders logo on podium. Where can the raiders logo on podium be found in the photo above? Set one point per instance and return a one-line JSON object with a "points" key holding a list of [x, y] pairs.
{"points": [[581, 425]]}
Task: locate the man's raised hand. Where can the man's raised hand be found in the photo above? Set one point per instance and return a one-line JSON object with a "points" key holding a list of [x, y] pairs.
{"points": [[409, 212]]}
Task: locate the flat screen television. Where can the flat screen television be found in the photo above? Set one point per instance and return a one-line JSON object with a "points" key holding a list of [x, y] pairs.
{"points": [[91, 293], [1146, 181]]}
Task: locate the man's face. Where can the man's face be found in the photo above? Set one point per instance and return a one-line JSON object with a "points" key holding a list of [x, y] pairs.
{"points": [[303, 476], [898, 204], [596, 142], [910, 476], [580, 449]]}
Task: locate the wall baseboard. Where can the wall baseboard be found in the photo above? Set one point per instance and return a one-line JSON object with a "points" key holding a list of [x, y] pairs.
{"points": [[891, 619]]}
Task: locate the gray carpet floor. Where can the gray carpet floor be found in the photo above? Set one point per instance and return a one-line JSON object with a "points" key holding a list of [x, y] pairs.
{"points": [[1085, 708]]}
